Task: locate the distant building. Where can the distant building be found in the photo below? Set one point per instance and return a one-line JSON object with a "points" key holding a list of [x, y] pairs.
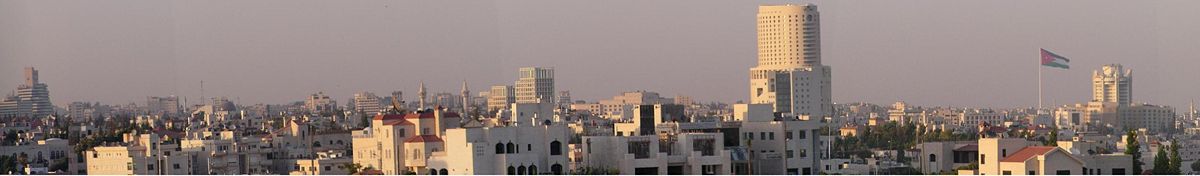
{"points": [[500, 98], [1113, 83], [789, 74], [535, 84], [367, 103], [319, 102], [618, 106], [32, 99], [166, 106]]}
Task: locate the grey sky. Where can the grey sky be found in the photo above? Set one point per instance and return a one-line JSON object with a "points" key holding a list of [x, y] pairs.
{"points": [[963, 53]]}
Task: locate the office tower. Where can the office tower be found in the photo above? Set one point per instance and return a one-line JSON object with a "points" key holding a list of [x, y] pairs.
{"points": [[789, 74], [32, 99], [367, 103], [535, 85], [164, 105], [1112, 83], [501, 96]]}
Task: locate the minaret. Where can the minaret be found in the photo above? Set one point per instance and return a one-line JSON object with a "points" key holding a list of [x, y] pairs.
{"points": [[466, 98], [421, 95]]}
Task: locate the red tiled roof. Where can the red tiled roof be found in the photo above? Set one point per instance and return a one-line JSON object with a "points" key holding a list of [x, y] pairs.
{"points": [[399, 122], [1028, 152], [423, 138]]}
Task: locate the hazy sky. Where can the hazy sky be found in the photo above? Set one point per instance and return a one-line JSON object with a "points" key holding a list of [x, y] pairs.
{"points": [[932, 52]]}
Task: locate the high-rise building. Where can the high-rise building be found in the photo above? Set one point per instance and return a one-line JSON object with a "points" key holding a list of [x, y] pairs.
{"points": [[31, 99], [367, 103], [789, 74], [500, 98], [1113, 83], [535, 84], [164, 105]]}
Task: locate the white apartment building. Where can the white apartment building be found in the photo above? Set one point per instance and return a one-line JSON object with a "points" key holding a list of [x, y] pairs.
{"points": [[516, 149], [400, 143], [683, 153]]}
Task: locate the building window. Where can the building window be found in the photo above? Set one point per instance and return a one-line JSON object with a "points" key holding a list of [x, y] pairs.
{"points": [[802, 134], [932, 158], [511, 148], [1003, 153], [1006, 173], [555, 148], [499, 148], [1032, 172]]}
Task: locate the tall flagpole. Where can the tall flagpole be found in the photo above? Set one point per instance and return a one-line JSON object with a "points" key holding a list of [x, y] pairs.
{"points": [[1039, 107]]}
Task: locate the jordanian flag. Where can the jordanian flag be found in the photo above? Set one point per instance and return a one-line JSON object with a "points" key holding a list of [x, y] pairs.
{"points": [[1054, 60]]}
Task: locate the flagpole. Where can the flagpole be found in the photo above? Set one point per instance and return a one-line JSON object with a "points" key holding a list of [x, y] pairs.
{"points": [[1039, 107]]}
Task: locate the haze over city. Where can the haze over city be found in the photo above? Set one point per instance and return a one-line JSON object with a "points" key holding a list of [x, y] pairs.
{"points": [[960, 53]]}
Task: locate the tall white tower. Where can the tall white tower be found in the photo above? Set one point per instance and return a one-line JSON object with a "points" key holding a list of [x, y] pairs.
{"points": [[789, 74], [1114, 84], [466, 98]]}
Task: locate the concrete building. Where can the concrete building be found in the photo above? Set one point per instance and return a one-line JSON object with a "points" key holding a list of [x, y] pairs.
{"points": [[400, 143], [535, 84], [681, 154], [646, 118], [789, 74], [319, 102], [42, 154], [326, 163], [516, 149], [617, 107], [1112, 83], [500, 97], [31, 99], [938, 157], [367, 103], [165, 106], [144, 154], [1156, 119], [777, 145]]}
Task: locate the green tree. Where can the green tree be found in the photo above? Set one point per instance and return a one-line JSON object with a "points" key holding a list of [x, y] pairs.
{"points": [[1174, 162], [1195, 166], [353, 167], [1133, 148], [1053, 139], [1161, 163]]}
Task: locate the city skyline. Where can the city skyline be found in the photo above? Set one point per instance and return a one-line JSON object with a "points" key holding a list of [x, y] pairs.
{"points": [[973, 69]]}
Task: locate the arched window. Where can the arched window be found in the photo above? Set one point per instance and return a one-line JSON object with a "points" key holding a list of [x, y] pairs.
{"points": [[932, 158], [556, 148], [511, 148], [499, 148], [556, 169], [432, 171], [533, 170], [443, 172], [512, 170], [520, 170]]}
